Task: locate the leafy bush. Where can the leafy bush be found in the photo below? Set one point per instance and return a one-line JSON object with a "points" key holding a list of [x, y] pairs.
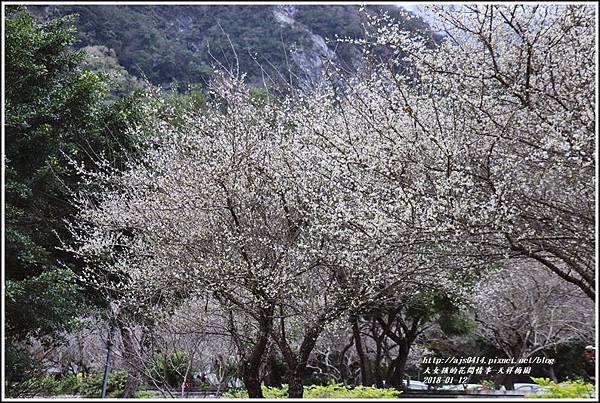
{"points": [[369, 392], [18, 362], [333, 390], [46, 385], [236, 393], [170, 369], [268, 392], [73, 384], [144, 394], [49, 386], [275, 392], [564, 390], [338, 390], [92, 387]]}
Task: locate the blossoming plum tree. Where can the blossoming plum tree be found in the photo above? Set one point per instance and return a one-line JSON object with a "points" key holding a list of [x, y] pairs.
{"points": [[524, 311], [411, 176], [502, 153]]}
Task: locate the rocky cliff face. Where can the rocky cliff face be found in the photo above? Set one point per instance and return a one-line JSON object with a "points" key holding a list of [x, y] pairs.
{"points": [[310, 58], [270, 44]]}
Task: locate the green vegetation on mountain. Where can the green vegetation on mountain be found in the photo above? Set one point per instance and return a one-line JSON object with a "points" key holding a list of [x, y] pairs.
{"points": [[186, 43]]}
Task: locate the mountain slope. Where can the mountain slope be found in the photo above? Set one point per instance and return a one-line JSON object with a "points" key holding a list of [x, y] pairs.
{"points": [[185, 43]]}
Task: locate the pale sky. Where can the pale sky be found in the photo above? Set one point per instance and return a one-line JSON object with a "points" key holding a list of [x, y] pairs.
{"points": [[417, 9]]}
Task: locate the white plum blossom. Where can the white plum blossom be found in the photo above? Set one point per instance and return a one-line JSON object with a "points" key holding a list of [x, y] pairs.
{"points": [[417, 173]]}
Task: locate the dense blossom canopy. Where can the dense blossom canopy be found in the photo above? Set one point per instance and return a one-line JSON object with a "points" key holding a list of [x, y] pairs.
{"points": [[415, 176]]}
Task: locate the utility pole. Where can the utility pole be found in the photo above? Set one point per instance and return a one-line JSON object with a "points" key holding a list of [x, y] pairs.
{"points": [[109, 345]]}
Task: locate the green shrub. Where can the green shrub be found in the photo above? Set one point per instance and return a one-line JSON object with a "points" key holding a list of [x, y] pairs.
{"points": [[369, 392], [92, 387], [51, 386], [48, 386], [275, 392], [268, 392], [331, 391], [338, 390], [75, 384], [72, 384], [564, 390], [170, 369], [144, 394], [236, 393]]}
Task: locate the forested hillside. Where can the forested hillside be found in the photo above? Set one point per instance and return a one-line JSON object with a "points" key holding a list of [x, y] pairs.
{"points": [[186, 43]]}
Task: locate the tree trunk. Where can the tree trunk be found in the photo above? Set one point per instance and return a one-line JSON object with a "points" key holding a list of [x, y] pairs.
{"points": [[397, 375], [499, 380], [343, 367], [377, 371], [296, 363], [364, 365], [132, 360], [251, 378], [251, 362], [251, 367], [296, 384], [274, 376]]}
